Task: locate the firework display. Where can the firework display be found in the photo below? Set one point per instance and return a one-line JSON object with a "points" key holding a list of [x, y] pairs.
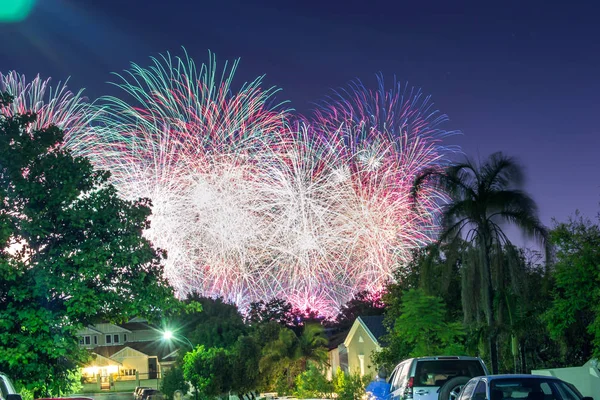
{"points": [[250, 201]]}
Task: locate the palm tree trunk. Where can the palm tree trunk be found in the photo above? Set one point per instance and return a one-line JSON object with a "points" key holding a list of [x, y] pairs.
{"points": [[488, 295]]}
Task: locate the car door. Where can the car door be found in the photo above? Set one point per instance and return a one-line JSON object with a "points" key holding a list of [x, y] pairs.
{"points": [[397, 387]]}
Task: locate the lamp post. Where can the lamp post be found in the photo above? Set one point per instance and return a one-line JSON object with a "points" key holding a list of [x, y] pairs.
{"points": [[168, 336]]}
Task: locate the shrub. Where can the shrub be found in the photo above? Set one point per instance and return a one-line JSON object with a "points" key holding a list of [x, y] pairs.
{"points": [[312, 383]]}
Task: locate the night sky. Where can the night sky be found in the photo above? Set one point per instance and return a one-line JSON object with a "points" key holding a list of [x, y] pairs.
{"points": [[521, 77]]}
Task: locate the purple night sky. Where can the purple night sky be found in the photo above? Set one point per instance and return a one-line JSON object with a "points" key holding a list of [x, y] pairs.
{"points": [[516, 76]]}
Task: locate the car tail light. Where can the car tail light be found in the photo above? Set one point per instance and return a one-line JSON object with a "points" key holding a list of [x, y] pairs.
{"points": [[408, 392]]}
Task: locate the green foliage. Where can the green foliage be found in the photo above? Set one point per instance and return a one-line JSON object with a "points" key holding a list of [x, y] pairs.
{"points": [[274, 310], [422, 329], [173, 380], [216, 324], [208, 370], [71, 253], [288, 355], [574, 317], [245, 358], [349, 386], [312, 383]]}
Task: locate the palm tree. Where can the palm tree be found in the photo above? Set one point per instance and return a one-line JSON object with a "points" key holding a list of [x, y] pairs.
{"points": [[481, 199], [291, 354]]}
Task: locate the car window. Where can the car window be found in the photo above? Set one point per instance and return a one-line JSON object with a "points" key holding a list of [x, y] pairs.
{"points": [[479, 392], [398, 378], [566, 393], [531, 389], [438, 372], [467, 390]]}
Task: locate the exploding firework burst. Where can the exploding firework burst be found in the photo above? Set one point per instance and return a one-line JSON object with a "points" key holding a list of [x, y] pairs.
{"points": [[251, 202], [52, 105]]}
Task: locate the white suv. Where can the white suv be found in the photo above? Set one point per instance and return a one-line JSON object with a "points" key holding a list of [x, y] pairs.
{"points": [[430, 378], [7, 390]]}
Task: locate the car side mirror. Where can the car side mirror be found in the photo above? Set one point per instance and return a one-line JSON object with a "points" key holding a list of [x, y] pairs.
{"points": [[588, 398], [13, 396]]}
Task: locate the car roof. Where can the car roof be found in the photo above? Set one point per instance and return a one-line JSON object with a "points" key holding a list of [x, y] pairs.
{"points": [[519, 376], [441, 358]]}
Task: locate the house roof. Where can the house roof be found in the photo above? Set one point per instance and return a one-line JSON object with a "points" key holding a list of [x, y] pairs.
{"points": [[136, 326], [158, 349], [337, 339], [374, 323]]}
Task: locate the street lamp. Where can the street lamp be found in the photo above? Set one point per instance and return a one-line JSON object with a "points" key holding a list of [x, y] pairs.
{"points": [[168, 336]]}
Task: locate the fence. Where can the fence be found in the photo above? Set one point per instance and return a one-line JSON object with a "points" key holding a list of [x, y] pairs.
{"points": [[121, 383]]}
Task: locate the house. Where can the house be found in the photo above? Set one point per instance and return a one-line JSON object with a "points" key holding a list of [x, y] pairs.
{"points": [[351, 350], [362, 340], [131, 351]]}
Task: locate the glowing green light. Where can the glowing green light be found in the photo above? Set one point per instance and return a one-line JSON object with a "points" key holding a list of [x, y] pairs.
{"points": [[15, 10]]}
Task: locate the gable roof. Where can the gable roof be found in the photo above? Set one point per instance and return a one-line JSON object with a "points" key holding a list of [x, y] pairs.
{"points": [[156, 348], [373, 325]]}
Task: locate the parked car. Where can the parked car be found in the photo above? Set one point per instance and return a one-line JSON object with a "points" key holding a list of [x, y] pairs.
{"points": [[137, 392], [7, 390], [151, 394], [526, 387], [429, 378]]}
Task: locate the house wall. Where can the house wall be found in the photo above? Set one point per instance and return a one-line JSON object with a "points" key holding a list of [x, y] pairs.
{"points": [[144, 336], [585, 378], [334, 362], [361, 346], [132, 359]]}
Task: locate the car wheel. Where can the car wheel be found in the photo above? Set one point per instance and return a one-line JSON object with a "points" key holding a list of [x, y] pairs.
{"points": [[452, 388]]}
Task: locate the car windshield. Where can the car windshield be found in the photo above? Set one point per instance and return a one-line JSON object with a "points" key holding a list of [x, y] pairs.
{"points": [[438, 372], [531, 389]]}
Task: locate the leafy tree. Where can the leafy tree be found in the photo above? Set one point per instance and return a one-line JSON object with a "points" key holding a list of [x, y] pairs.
{"points": [[421, 329], [349, 386], [274, 310], [312, 383], [208, 370], [574, 317], [245, 373], [71, 253], [215, 324], [482, 198], [289, 355], [173, 380], [363, 303]]}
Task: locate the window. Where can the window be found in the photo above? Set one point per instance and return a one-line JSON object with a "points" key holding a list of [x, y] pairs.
{"points": [[115, 338], [88, 340], [467, 390], [95, 339], [479, 393], [398, 377], [438, 372], [124, 337], [81, 341], [108, 339]]}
